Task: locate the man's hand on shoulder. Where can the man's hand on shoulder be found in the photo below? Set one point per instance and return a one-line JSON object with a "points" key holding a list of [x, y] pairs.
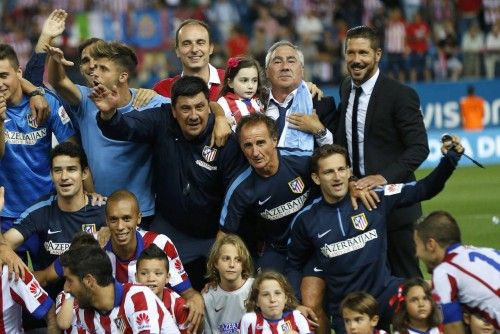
{"points": [[143, 97], [222, 128], [306, 123]]}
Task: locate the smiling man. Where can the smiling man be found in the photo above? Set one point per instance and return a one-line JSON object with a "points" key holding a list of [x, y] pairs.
{"points": [[193, 47], [348, 247], [190, 177]]}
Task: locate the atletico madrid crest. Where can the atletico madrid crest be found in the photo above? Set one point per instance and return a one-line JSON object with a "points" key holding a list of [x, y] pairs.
{"points": [[209, 153], [31, 121], [359, 222], [296, 185], [89, 228]]}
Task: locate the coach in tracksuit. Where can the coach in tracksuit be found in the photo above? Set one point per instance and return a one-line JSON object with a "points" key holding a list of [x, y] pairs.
{"points": [[350, 246], [190, 176]]}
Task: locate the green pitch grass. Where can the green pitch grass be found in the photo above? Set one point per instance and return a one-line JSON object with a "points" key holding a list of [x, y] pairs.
{"points": [[472, 196]]}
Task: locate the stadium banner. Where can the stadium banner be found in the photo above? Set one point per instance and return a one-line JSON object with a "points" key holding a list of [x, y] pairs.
{"points": [[483, 146], [147, 29], [440, 102]]}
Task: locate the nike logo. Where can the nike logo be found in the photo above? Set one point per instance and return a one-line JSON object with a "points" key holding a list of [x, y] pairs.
{"points": [[7, 120], [321, 235], [53, 232], [264, 201], [218, 309], [317, 270]]}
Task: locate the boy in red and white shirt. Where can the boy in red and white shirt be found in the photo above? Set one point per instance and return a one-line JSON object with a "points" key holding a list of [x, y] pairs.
{"points": [[153, 271]]}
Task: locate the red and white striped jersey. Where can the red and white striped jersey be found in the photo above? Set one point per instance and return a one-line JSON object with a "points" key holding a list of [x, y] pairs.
{"points": [[124, 270], [255, 323], [468, 277], [175, 305], [136, 310], [76, 327], [433, 330], [15, 295], [235, 107]]}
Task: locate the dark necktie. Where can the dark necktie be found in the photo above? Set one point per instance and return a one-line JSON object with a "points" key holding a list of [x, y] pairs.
{"points": [[354, 133], [280, 121]]}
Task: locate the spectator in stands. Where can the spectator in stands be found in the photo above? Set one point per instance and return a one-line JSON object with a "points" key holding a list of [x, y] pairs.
{"points": [[395, 44], [472, 48], [492, 57], [462, 276], [472, 110], [417, 38]]}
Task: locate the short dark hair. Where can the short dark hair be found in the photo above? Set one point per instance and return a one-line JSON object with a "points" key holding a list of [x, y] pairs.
{"points": [[119, 195], [89, 260], [360, 302], [440, 226], [325, 151], [8, 52], [87, 42], [189, 85], [471, 90], [83, 239], [70, 149], [365, 32], [256, 118], [193, 22], [153, 252], [118, 53]]}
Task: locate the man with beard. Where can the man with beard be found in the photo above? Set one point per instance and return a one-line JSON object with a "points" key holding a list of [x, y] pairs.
{"points": [[106, 306], [387, 140]]}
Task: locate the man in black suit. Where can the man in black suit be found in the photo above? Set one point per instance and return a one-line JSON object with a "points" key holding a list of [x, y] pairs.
{"points": [[290, 103], [390, 136]]}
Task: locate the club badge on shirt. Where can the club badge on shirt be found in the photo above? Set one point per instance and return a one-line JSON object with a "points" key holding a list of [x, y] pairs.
{"points": [[286, 326], [89, 228], [209, 153], [31, 121], [359, 222], [296, 185]]}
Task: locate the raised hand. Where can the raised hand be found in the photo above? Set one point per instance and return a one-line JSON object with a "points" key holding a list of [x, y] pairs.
{"points": [[54, 25], [58, 55], [106, 100], [3, 109]]}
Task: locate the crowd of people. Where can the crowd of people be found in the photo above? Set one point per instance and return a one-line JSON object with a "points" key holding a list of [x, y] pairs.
{"points": [[217, 203], [424, 40]]}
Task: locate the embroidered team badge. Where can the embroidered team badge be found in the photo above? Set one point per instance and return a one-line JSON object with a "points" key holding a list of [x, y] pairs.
{"points": [[296, 185], [359, 222], [286, 326], [31, 121], [392, 189], [89, 228], [63, 115], [209, 153], [120, 324]]}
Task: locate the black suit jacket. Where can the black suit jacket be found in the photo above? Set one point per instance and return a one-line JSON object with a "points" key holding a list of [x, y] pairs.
{"points": [[395, 141]]}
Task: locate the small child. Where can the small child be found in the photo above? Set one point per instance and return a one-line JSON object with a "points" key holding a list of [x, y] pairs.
{"points": [[242, 90], [416, 312], [272, 307], [360, 313], [476, 324], [152, 271], [229, 271]]}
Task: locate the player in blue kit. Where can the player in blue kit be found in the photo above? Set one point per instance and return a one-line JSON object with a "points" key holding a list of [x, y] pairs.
{"points": [[57, 218], [271, 190], [349, 246], [25, 166]]}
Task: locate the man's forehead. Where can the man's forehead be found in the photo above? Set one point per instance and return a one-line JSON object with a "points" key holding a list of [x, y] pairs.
{"points": [[284, 51], [6, 66], [193, 32]]}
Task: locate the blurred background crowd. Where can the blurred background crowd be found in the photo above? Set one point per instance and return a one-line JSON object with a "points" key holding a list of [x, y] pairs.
{"points": [[424, 40]]}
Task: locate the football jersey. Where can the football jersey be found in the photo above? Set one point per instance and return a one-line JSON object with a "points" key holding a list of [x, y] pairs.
{"points": [[235, 107], [124, 270], [255, 323], [469, 276], [57, 228], [224, 309], [175, 305], [136, 310], [25, 166], [15, 295], [76, 326]]}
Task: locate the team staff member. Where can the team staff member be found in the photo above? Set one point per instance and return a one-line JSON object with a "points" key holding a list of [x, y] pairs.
{"points": [[389, 137], [472, 110], [271, 190], [190, 177], [349, 246]]}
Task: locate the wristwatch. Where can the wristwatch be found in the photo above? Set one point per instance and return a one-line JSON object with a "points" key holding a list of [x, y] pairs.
{"points": [[38, 91], [321, 133]]}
